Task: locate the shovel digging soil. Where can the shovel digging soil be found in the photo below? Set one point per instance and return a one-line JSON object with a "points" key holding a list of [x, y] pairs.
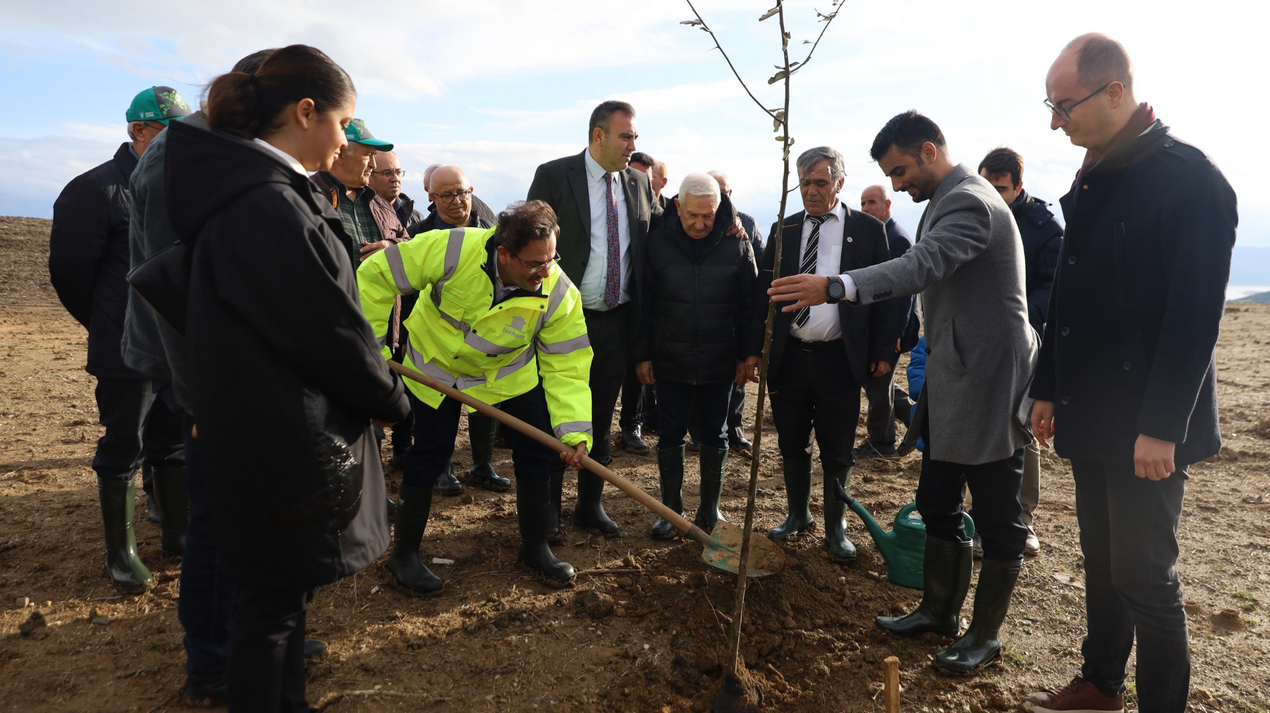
{"points": [[722, 547]]}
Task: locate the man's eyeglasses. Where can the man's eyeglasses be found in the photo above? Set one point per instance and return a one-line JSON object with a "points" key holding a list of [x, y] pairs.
{"points": [[390, 172], [452, 197], [538, 266], [1065, 112]]}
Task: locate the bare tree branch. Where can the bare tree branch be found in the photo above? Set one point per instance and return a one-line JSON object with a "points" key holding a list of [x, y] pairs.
{"points": [[744, 86], [830, 19]]}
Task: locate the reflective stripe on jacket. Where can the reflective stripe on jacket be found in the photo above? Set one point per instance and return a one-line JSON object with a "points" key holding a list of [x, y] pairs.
{"points": [[458, 336]]}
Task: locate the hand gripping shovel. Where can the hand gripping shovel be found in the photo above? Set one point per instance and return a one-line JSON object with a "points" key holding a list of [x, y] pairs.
{"points": [[722, 549]]}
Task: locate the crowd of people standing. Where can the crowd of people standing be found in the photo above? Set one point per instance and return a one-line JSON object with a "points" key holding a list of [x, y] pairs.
{"points": [[254, 388]]}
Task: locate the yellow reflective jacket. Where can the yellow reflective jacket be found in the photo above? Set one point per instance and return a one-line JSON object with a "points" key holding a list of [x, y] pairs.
{"points": [[458, 336]]}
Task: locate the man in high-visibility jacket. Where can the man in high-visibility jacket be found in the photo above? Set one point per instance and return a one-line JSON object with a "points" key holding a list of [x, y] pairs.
{"points": [[497, 319]]}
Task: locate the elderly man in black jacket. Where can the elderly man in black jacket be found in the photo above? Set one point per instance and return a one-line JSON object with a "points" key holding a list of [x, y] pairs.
{"points": [[700, 285], [1126, 383], [88, 262], [1042, 241]]}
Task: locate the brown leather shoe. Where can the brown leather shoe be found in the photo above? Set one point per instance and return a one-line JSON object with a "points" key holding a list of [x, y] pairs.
{"points": [[1079, 696], [1032, 546]]}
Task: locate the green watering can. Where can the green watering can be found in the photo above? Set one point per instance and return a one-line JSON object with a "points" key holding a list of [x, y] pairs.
{"points": [[904, 547]]}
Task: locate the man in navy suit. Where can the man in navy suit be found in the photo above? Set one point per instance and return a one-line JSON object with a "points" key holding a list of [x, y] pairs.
{"points": [[605, 209]]}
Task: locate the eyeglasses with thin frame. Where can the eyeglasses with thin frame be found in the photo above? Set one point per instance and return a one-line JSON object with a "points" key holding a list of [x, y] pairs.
{"points": [[390, 172], [452, 197], [1065, 112], [538, 267]]}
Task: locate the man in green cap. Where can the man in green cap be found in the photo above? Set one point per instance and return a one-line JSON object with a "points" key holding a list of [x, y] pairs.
{"points": [[88, 264]]}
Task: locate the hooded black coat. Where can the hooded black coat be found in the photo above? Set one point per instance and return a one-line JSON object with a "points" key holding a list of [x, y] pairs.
{"points": [[696, 309], [1130, 338], [285, 372]]}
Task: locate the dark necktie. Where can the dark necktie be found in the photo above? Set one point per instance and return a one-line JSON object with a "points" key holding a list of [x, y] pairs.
{"points": [[808, 266], [613, 279]]}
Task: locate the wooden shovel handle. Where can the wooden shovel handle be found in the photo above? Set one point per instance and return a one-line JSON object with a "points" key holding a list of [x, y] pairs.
{"points": [[679, 521]]}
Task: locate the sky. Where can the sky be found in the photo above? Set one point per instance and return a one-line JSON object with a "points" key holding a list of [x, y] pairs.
{"points": [[500, 87]]}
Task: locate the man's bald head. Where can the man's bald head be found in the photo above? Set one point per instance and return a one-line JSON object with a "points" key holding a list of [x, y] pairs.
{"points": [[1100, 60], [427, 176], [875, 202], [452, 194]]}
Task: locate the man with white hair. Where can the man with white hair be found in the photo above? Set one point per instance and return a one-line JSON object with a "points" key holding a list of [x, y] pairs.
{"points": [[700, 286], [386, 180]]}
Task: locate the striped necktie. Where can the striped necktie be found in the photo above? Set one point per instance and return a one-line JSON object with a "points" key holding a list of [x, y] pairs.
{"points": [[808, 266]]}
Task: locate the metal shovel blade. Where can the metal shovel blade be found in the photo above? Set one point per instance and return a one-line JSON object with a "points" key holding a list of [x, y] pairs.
{"points": [[723, 550]]}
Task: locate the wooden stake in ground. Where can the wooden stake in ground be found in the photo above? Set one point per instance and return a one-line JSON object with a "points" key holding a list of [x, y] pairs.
{"points": [[891, 684]]}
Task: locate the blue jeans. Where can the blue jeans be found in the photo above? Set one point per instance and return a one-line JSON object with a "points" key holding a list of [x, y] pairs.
{"points": [[674, 402], [206, 605]]}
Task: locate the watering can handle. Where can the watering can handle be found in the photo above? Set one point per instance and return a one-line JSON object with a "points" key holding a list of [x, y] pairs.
{"points": [[965, 516]]}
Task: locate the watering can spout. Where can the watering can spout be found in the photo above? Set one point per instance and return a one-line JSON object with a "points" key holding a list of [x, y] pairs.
{"points": [[885, 541]]}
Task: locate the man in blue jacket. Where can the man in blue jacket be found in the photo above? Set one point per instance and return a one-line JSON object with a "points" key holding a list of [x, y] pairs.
{"points": [[1042, 240]]}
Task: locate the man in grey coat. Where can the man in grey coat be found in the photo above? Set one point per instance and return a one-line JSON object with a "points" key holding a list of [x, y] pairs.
{"points": [[968, 265]]}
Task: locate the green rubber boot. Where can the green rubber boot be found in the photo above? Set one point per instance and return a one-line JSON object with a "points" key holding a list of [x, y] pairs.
{"points": [[118, 503], [946, 568], [172, 493], [714, 462], [840, 548], [670, 465], [411, 519], [981, 644], [798, 495]]}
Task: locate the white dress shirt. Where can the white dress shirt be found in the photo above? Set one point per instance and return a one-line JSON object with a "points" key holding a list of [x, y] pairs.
{"points": [[823, 324], [596, 274], [288, 158]]}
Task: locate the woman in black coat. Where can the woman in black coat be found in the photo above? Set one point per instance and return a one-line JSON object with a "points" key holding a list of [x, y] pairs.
{"points": [[286, 374]]}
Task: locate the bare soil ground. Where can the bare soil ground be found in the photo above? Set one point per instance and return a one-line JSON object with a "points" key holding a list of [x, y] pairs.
{"points": [[644, 627]]}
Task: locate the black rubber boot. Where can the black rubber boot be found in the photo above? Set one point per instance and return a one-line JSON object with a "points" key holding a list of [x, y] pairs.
{"points": [[480, 431], [798, 495], [589, 512], [409, 522], [981, 644], [118, 503], [172, 492], [670, 465], [714, 461], [448, 484], [840, 548], [946, 568], [554, 534], [533, 506]]}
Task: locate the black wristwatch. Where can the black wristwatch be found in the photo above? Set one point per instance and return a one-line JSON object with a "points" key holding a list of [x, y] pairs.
{"points": [[837, 290]]}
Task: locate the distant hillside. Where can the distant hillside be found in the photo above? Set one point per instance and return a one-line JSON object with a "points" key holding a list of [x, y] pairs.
{"points": [[1260, 297], [1250, 266]]}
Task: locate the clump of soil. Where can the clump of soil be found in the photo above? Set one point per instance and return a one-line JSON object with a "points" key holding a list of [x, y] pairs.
{"points": [[645, 628]]}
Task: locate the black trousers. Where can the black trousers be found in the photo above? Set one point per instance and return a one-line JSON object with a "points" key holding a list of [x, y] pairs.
{"points": [[675, 403], [998, 514], [884, 404], [143, 425], [266, 657], [609, 333], [436, 430], [814, 390], [634, 395], [1128, 535]]}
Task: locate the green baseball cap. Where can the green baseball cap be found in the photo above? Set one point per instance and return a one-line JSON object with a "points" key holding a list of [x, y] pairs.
{"points": [[357, 133], [161, 104]]}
